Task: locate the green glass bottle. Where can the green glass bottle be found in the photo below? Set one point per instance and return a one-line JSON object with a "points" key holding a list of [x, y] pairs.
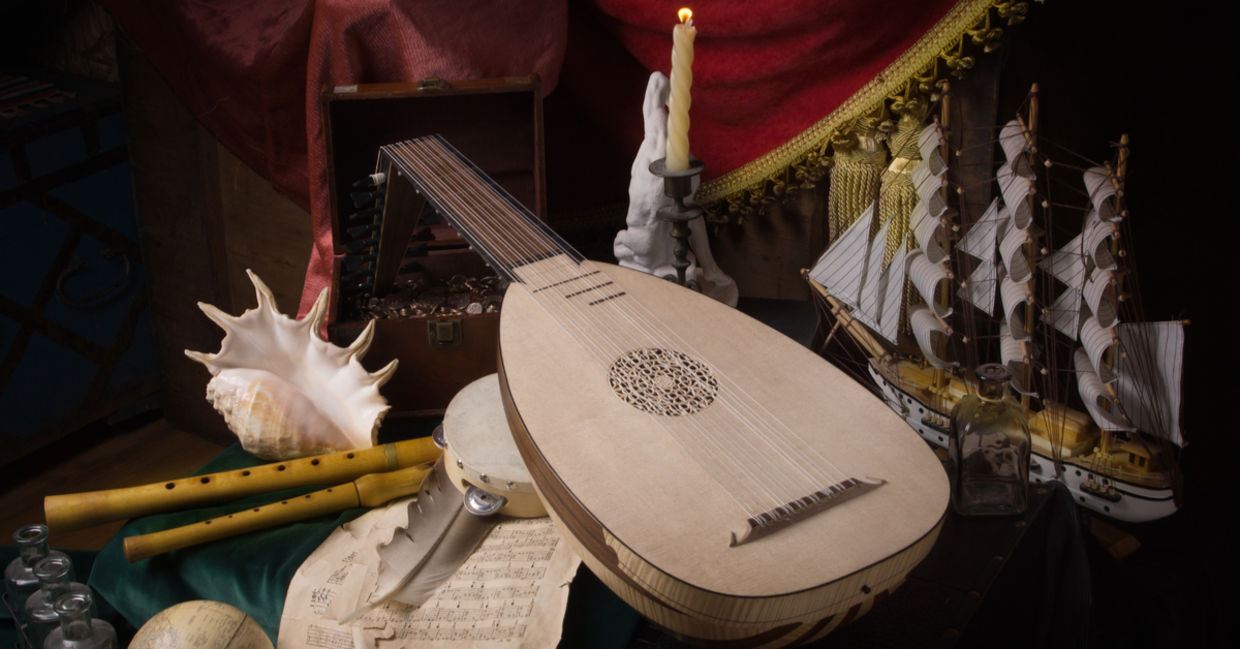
{"points": [[989, 449]]}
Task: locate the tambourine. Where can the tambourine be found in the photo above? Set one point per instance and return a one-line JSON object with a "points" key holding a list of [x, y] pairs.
{"points": [[480, 456]]}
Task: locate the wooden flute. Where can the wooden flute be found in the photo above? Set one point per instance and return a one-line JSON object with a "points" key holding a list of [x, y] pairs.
{"points": [[367, 491], [67, 512]]}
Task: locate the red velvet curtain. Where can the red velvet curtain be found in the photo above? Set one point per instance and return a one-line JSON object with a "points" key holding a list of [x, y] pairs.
{"points": [[763, 72]]}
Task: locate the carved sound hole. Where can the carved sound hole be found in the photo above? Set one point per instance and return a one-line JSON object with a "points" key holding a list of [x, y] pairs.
{"points": [[663, 382]]}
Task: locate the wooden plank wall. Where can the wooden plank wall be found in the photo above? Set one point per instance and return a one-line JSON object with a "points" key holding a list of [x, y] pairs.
{"points": [[204, 217]]}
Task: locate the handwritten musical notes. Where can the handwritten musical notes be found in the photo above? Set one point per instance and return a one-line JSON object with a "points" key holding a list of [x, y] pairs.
{"points": [[511, 593]]}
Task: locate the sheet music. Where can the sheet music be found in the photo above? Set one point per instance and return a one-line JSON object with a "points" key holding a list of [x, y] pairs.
{"points": [[512, 592]]}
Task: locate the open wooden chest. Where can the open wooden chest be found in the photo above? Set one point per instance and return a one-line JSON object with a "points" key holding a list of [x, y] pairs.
{"points": [[434, 302]]}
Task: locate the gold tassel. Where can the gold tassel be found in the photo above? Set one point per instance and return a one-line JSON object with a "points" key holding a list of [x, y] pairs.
{"points": [[856, 176], [898, 196]]}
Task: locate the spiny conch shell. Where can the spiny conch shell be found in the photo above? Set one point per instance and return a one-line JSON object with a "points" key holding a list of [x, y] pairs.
{"points": [[285, 391]]}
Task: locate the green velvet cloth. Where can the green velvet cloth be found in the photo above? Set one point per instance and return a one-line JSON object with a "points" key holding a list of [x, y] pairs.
{"points": [[251, 572]]}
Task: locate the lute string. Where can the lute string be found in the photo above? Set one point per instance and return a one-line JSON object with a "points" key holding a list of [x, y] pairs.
{"points": [[639, 325], [538, 245], [759, 423], [474, 217], [504, 244]]}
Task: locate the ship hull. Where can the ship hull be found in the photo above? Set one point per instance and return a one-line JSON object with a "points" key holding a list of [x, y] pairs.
{"points": [[1106, 494]]}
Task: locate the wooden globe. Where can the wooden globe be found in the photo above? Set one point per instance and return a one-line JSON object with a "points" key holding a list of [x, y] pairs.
{"points": [[201, 624]]}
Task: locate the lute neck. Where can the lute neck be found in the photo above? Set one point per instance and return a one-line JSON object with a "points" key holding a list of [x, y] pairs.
{"points": [[499, 228]]}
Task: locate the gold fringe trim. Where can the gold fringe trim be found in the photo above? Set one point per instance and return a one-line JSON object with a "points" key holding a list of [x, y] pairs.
{"points": [[947, 49]]}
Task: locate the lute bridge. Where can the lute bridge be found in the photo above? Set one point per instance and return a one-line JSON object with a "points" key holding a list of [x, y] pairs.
{"points": [[774, 519]]}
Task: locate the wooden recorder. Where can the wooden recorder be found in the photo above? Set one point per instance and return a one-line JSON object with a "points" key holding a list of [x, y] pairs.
{"points": [[370, 490], [67, 512]]}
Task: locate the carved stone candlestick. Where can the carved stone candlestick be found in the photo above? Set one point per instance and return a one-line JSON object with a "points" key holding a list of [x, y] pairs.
{"points": [[678, 185]]}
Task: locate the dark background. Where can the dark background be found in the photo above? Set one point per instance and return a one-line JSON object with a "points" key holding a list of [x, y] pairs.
{"points": [[1164, 74]]}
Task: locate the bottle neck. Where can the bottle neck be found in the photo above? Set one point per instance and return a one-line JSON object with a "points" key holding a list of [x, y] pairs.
{"points": [[55, 590], [74, 613], [52, 571], [992, 380], [990, 390], [33, 550]]}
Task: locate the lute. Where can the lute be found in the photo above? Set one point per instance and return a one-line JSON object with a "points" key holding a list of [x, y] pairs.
{"points": [[727, 483]]}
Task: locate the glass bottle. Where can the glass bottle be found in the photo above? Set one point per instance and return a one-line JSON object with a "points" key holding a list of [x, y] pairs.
{"points": [[989, 448], [41, 619], [78, 630], [19, 580]]}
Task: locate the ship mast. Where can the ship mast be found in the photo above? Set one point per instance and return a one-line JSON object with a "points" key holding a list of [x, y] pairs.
{"points": [[943, 296], [1029, 129], [1117, 176]]}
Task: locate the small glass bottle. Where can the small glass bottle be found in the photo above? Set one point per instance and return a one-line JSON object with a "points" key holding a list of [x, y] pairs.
{"points": [[19, 580], [41, 619], [78, 630], [989, 448]]}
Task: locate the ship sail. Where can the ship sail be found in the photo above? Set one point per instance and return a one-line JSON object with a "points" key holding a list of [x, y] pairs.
{"points": [[1041, 312], [1149, 383], [841, 268], [1099, 294], [928, 268], [1146, 379], [851, 270], [932, 335], [882, 291], [928, 278], [1016, 184], [979, 242], [1128, 373], [1098, 400], [1014, 354]]}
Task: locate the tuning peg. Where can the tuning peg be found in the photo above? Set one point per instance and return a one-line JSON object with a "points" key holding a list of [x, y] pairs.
{"points": [[373, 180], [416, 250], [354, 277], [353, 262], [358, 246], [359, 231], [366, 214], [364, 198]]}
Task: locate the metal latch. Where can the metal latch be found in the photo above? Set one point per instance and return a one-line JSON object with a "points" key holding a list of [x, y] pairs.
{"points": [[445, 332]]}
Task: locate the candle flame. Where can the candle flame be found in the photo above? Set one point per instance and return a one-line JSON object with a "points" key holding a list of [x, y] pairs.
{"points": [[684, 14]]}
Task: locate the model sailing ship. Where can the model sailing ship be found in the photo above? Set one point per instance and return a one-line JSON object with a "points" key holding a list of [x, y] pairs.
{"points": [[1042, 281]]}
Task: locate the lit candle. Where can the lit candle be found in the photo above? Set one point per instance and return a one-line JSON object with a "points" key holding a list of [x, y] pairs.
{"points": [[678, 100]]}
